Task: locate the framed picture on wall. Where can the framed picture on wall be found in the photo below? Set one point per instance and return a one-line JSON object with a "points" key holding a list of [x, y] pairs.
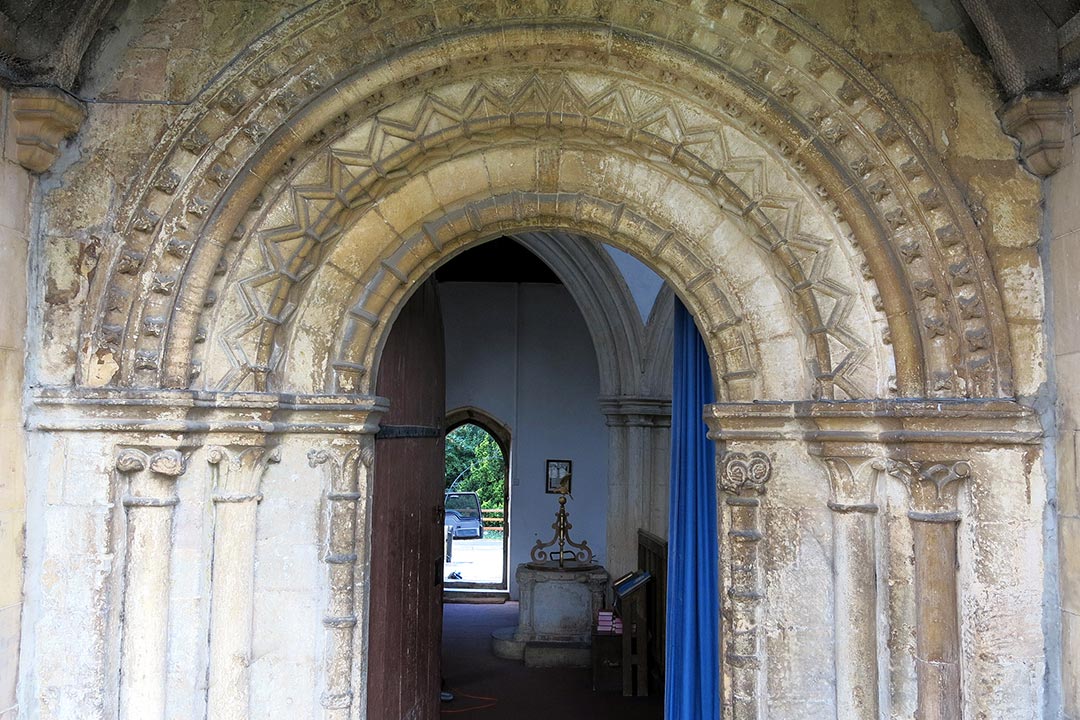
{"points": [[558, 477]]}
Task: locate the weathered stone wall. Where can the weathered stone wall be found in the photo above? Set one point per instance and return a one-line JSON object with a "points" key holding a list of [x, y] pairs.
{"points": [[1063, 188], [197, 141], [15, 203], [954, 97], [165, 54]]}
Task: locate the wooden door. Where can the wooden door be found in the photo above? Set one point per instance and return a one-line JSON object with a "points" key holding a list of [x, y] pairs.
{"points": [[407, 521]]}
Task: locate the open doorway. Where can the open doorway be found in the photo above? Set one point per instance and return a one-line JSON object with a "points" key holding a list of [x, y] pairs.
{"points": [[531, 350], [477, 502]]}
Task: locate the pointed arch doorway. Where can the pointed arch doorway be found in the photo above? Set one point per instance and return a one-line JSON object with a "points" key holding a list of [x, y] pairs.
{"points": [[490, 571]]}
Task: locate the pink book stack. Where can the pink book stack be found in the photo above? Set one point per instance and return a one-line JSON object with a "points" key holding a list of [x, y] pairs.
{"points": [[606, 622]]}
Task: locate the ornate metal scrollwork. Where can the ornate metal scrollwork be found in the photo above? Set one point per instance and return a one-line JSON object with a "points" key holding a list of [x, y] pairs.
{"points": [[581, 552]]}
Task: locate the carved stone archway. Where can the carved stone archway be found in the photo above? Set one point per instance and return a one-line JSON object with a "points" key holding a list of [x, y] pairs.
{"points": [[267, 244], [826, 122]]}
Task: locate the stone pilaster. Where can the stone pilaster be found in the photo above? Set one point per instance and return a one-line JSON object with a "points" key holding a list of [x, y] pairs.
{"points": [[639, 457], [148, 500], [236, 473], [855, 650], [742, 479], [838, 455], [107, 488]]}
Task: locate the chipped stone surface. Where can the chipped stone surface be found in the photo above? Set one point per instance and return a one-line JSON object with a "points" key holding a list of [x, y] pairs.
{"points": [[222, 249]]}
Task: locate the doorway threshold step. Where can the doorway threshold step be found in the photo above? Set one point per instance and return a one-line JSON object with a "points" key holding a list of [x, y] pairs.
{"points": [[537, 653], [478, 597]]}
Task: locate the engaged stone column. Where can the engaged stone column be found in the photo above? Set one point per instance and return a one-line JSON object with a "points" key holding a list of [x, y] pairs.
{"points": [[851, 482], [933, 489], [638, 460], [236, 475], [742, 477], [149, 502], [348, 489]]}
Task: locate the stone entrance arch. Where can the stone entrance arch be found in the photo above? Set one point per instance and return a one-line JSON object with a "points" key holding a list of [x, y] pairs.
{"points": [[855, 153], [240, 302]]}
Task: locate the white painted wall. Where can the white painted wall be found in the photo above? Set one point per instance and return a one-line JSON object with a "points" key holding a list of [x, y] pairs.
{"points": [[644, 284], [523, 354]]}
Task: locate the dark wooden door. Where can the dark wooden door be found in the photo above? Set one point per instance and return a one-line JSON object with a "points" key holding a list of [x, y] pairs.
{"points": [[407, 522]]}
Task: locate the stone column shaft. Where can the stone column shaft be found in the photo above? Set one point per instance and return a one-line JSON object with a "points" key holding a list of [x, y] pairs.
{"points": [[348, 470], [937, 642], [149, 506], [933, 488], [855, 611], [743, 477], [636, 427], [855, 650], [237, 474], [618, 558]]}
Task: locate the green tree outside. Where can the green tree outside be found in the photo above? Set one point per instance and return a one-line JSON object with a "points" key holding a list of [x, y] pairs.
{"points": [[475, 463]]}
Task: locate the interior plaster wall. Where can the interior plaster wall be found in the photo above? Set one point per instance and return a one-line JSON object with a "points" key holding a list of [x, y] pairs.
{"points": [[522, 353], [15, 189], [1063, 224]]}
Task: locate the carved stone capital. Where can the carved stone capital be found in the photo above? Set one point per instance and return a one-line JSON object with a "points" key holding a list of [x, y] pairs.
{"points": [[1041, 122], [151, 476], [237, 471], [933, 486], [338, 456], [851, 482], [43, 118], [744, 473], [636, 411], [170, 463]]}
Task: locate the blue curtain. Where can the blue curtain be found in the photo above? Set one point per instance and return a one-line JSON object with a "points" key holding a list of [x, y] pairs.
{"points": [[692, 672]]}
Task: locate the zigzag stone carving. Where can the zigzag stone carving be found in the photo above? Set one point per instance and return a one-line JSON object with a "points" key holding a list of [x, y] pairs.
{"points": [[354, 171], [855, 148]]}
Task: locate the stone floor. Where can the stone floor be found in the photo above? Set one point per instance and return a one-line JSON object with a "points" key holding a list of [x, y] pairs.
{"points": [[489, 688]]}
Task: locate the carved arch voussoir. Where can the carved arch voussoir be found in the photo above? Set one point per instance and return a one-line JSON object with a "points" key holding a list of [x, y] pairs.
{"points": [[856, 146]]}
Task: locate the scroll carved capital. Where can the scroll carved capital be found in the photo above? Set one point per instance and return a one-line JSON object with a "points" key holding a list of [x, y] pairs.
{"points": [[151, 476], [130, 461], [170, 463], [1041, 122], [933, 486], [349, 466], [745, 472], [43, 118]]}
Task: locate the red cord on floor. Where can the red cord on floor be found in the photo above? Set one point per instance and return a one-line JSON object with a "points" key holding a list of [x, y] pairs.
{"points": [[490, 703]]}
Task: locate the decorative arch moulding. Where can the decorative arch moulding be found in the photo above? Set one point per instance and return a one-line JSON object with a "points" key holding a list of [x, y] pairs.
{"points": [[262, 132]]}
